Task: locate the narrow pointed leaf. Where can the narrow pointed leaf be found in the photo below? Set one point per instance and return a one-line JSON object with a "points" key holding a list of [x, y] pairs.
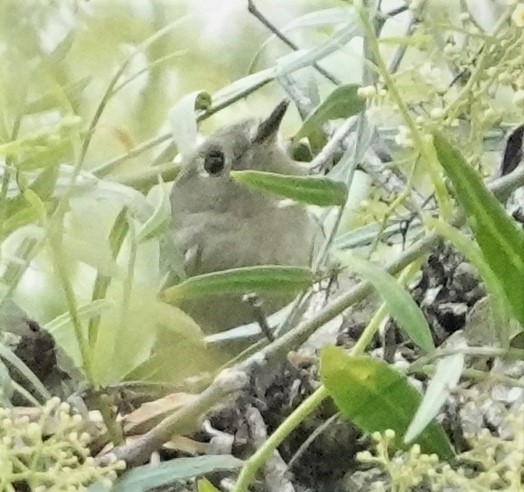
{"points": [[240, 281], [322, 192], [143, 478], [501, 242], [445, 379], [375, 398], [343, 102], [400, 304], [318, 18]]}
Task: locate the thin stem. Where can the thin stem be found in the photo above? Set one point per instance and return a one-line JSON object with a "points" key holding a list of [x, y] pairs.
{"points": [[423, 146], [59, 262], [258, 459], [252, 9], [479, 72], [109, 166]]}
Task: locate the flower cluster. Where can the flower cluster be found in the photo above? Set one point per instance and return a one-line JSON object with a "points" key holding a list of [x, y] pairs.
{"points": [[492, 463], [456, 69], [51, 453]]}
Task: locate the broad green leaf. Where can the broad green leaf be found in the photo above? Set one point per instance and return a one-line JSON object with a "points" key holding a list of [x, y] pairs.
{"points": [[63, 334], [267, 278], [400, 304], [343, 102], [443, 382], [144, 478], [375, 397], [322, 192], [204, 485], [499, 238], [125, 338]]}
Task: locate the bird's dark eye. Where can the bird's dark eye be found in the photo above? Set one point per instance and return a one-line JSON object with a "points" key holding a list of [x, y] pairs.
{"points": [[214, 162]]}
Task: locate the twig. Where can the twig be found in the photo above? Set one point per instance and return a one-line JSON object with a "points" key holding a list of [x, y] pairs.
{"points": [[232, 380], [301, 333], [309, 440], [275, 467], [184, 420], [107, 167], [258, 315], [252, 9], [333, 144]]}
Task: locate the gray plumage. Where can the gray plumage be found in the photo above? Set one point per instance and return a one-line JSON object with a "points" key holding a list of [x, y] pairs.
{"points": [[219, 224]]}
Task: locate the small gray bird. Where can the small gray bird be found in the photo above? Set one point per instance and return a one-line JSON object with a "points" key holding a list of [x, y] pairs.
{"points": [[219, 224]]}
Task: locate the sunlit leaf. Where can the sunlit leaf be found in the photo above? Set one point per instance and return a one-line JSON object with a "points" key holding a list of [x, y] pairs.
{"points": [[375, 397], [125, 338], [49, 101]]}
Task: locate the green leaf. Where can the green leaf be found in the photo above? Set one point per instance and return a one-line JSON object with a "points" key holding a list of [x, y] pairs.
{"points": [[146, 315], [144, 478], [400, 304], [501, 242], [45, 183], [23, 217], [267, 278], [159, 220], [375, 397], [204, 485], [343, 102], [319, 191], [443, 382]]}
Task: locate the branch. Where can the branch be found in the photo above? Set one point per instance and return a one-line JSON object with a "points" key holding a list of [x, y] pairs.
{"points": [[252, 9], [232, 380]]}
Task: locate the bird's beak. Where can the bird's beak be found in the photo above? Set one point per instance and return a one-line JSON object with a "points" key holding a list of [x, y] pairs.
{"points": [[269, 127]]}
